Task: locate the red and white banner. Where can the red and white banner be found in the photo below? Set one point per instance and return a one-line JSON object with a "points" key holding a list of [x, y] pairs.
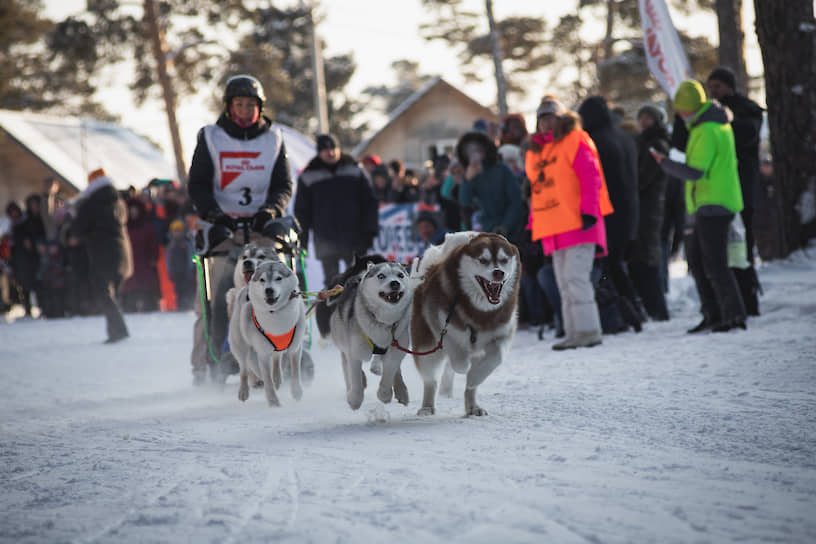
{"points": [[664, 52]]}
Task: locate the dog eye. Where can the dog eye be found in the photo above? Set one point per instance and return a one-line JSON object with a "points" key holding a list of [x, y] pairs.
{"points": [[400, 275], [262, 280], [484, 261], [504, 261], [380, 276]]}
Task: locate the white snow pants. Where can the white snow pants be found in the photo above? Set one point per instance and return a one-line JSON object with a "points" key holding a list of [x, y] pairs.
{"points": [[573, 267]]}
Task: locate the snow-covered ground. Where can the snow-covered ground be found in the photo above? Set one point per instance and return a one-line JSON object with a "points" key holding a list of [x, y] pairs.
{"points": [[652, 437]]}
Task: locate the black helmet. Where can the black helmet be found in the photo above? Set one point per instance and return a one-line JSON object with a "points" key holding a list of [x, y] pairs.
{"points": [[244, 85]]}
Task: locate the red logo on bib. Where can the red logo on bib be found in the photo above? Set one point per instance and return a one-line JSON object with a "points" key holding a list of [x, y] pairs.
{"points": [[235, 163]]}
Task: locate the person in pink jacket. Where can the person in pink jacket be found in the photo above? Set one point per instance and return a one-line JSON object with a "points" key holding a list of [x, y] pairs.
{"points": [[568, 199]]}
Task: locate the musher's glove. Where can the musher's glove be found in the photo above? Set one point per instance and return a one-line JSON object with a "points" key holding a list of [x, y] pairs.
{"points": [[260, 219], [217, 217]]}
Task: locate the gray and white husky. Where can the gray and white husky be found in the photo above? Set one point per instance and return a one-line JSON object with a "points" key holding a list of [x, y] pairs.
{"points": [[373, 310], [252, 254], [267, 328]]}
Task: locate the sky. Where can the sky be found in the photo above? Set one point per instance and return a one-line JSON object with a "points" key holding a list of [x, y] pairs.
{"points": [[376, 37]]}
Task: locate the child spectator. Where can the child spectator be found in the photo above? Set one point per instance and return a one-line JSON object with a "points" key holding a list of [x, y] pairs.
{"points": [[180, 264]]}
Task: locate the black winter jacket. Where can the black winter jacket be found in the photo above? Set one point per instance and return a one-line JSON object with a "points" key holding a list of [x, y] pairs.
{"points": [[337, 203], [652, 195], [202, 170], [746, 125], [618, 155], [100, 221]]}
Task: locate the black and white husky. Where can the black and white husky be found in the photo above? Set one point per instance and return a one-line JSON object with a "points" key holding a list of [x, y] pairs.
{"points": [[267, 328], [372, 311]]}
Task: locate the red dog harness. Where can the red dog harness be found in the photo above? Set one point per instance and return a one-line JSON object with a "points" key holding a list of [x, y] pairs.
{"points": [[279, 341]]}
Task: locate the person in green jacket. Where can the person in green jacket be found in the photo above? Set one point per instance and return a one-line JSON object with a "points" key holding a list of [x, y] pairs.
{"points": [[713, 196]]}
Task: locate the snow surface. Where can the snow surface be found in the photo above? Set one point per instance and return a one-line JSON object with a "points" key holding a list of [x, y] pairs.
{"points": [[652, 437]]}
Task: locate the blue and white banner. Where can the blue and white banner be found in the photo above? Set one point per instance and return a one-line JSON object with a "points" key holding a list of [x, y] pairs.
{"points": [[397, 240]]}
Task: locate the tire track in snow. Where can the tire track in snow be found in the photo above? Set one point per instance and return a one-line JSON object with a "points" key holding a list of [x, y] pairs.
{"points": [[130, 514], [294, 493], [274, 474]]}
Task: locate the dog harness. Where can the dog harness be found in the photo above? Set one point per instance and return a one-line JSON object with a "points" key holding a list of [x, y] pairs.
{"points": [[375, 349], [279, 341]]}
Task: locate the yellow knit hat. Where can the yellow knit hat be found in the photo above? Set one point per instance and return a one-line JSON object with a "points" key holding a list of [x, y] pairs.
{"points": [[690, 96], [177, 226]]}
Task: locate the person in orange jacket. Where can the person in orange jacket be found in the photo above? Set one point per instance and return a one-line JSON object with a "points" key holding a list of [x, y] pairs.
{"points": [[568, 199]]}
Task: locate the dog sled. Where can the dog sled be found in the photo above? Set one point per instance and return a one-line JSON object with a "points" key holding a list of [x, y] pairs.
{"points": [[216, 246]]}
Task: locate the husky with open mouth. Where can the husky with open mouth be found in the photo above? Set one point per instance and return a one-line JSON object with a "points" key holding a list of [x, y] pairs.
{"points": [[267, 328], [364, 320], [465, 306]]}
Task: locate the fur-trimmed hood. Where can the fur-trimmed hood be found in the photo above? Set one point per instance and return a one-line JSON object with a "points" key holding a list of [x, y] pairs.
{"points": [[491, 155]]}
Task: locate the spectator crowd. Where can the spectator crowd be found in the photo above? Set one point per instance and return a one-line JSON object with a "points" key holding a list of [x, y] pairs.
{"points": [[44, 258], [592, 198]]}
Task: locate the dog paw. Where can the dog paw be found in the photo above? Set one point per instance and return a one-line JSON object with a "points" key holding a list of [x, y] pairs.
{"points": [[426, 411], [354, 399], [274, 403], [297, 392], [401, 392], [243, 392], [376, 367], [475, 410], [385, 394]]}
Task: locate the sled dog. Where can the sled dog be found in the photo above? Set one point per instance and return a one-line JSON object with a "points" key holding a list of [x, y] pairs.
{"points": [[467, 301], [267, 329], [364, 319], [251, 256]]}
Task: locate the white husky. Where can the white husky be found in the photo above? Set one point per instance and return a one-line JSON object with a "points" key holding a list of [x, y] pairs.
{"points": [[372, 311], [267, 328]]}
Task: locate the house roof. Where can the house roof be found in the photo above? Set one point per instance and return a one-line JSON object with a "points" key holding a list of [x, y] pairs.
{"points": [[400, 110], [72, 147]]}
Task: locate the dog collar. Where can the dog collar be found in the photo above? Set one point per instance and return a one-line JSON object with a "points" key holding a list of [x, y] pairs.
{"points": [[279, 341], [375, 349]]}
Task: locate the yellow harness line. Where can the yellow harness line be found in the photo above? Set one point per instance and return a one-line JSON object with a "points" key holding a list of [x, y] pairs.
{"points": [[321, 297]]}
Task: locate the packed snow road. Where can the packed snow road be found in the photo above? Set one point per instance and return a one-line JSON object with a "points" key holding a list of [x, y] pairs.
{"points": [[652, 437]]}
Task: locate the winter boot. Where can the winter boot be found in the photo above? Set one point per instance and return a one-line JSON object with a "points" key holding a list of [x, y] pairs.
{"points": [[702, 326], [586, 339], [630, 314]]}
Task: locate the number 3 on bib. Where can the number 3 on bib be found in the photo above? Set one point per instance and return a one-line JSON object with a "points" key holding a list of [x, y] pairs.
{"points": [[246, 198]]}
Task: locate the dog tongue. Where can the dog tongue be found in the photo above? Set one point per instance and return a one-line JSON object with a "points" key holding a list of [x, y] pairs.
{"points": [[492, 289], [247, 276]]}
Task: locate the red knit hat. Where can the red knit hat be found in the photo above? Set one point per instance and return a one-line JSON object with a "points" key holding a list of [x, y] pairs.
{"points": [[98, 173], [373, 159]]}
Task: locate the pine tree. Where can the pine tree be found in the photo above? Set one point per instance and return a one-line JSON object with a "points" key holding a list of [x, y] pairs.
{"points": [[787, 38]]}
